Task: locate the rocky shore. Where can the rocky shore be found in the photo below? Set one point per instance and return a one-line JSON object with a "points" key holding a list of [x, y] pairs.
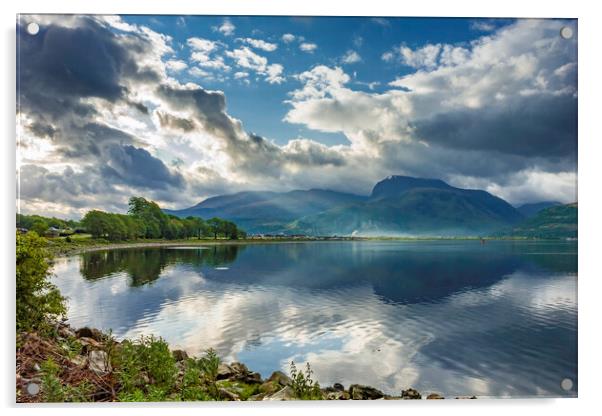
{"points": [[84, 357]]}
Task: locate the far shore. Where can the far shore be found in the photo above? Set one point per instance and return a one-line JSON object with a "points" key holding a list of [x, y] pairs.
{"points": [[61, 247]]}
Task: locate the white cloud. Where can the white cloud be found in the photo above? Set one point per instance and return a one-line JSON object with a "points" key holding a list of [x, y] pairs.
{"points": [[259, 44], [176, 65], [387, 56], [288, 38], [274, 74], [246, 58], [308, 47], [202, 45], [241, 74], [206, 61], [351, 57], [227, 28], [425, 57]]}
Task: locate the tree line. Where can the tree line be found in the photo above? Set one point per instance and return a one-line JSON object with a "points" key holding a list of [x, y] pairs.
{"points": [[144, 219]]}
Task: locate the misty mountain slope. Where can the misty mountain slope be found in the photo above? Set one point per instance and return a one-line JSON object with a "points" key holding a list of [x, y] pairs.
{"points": [[261, 212], [531, 210]]}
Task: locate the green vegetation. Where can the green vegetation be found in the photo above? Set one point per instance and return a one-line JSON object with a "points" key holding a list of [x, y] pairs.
{"points": [[38, 300], [144, 220], [302, 384], [557, 222]]}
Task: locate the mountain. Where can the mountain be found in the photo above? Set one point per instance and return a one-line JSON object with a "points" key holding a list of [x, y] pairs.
{"points": [[268, 212], [397, 205], [530, 210], [401, 205], [554, 222]]}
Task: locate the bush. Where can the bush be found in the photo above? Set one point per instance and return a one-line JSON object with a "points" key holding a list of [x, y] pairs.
{"points": [[38, 300], [303, 385]]}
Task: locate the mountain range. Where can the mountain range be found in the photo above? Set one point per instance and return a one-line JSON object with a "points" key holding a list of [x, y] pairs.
{"points": [[397, 205]]}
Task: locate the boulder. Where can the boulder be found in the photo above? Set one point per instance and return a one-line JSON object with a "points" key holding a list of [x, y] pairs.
{"points": [[224, 371], [66, 332], [270, 387], [86, 332], [434, 396], [99, 362], [359, 392], [337, 395], [410, 394], [89, 344], [239, 368], [228, 395], [180, 355], [280, 378], [338, 386], [286, 393]]}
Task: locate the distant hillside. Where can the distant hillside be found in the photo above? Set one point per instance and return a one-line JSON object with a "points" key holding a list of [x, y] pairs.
{"points": [[397, 205], [554, 222], [401, 205], [268, 212], [531, 210]]}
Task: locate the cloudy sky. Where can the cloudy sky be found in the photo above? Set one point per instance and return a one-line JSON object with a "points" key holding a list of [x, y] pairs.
{"points": [[177, 109]]}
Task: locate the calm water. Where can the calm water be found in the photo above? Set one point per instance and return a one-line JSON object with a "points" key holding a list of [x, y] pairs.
{"points": [[456, 318]]}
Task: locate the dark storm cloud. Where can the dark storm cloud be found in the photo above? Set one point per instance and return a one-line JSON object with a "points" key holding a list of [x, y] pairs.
{"points": [[538, 126], [61, 67], [138, 168]]}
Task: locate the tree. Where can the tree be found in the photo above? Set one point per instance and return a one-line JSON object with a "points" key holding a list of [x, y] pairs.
{"points": [[96, 223], [216, 226], [37, 298], [39, 226]]}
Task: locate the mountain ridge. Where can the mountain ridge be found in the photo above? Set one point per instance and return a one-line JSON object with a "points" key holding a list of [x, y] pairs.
{"points": [[397, 205]]}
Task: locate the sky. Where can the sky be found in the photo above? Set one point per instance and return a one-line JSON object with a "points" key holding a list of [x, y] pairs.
{"points": [[180, 108]]}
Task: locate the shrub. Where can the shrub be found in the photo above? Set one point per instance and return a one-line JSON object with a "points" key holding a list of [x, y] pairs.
{"points": [[303, 385], [38, 300]]}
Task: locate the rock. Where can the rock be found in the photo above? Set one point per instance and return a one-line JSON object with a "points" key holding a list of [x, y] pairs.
{"points": [[249, 378], [338, 386], [239, 368], [66, 332], [78, 361], [286, 393], [337, 395], [270, 387], [466, 397], [359, 392], [256, 397], [224, 371], [434, 396], [180, 355], [86, 332], [99, 362], [280, 378], [410, 394], [89, 344], [32, 388], [228, 395], [36, 367]]}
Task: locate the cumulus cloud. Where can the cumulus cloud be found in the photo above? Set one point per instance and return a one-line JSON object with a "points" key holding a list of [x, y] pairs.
{"points": [[101, 118], [288, 38], [308, 47], [245, 58], [259, 44], [508, 99], [226, 28], [351, 57]]}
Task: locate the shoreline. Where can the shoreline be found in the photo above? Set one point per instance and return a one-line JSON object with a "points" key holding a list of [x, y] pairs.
{"points": [[65, 249], [93, 356]]}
